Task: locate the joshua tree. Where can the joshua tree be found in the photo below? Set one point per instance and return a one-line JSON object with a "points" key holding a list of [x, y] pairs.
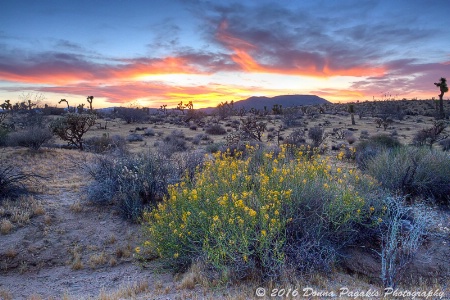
{"points": [[442, 84], [277, 109], [351, 110], [163, 108], [190, 105], [7, 105], [181, 107], [67, 102], [72, 127], [80, 108], [89, 100], [30, 105]]}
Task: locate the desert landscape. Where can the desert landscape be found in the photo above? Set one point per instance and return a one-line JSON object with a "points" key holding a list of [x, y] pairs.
{"points": [[66, 234], [197, 149]]}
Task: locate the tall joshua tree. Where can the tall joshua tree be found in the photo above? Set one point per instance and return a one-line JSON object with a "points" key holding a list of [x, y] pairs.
{"points": [[89, 100], [67, 102], [351, 110], [442, 84]]}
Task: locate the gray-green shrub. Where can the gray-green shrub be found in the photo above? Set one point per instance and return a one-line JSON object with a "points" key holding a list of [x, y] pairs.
{"points": [[402, 231], [105, 143], [317, 135], [367, 149], [32, 138], [130, 181], [215, 129], [175, 142], [414, 171]]}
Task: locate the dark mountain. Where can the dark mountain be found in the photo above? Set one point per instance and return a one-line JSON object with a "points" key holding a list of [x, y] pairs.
{"points": [[268, 102], [284, 100]]}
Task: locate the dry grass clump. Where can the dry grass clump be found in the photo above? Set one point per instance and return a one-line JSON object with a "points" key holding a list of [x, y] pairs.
{"points": [[76, 262], [6, 226], [193, 277], [11, 253], [76, 207], [129, 291], [124, 252], [19, 212], [5, 294], [97, 260]]}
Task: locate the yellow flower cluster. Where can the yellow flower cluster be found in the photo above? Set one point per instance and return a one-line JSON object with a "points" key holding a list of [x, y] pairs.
{"points": [[236, 208]]}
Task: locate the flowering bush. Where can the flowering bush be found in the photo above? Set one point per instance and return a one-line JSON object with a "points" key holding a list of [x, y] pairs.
{"points": [[239, 214]]}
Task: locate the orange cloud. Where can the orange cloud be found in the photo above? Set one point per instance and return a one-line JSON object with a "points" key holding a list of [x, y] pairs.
{"points": [[299, 63], [71, 70], [154, 94], [337, 95]]}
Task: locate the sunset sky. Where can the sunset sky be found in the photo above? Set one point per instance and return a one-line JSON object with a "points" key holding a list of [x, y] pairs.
{"points": [[149, 53]]}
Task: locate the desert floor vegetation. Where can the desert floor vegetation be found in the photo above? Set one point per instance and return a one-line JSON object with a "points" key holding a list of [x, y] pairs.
{"points": [[195, 206]]}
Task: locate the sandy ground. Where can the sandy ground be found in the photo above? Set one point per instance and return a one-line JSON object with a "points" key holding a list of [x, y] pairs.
{"points": [[39, 257]]}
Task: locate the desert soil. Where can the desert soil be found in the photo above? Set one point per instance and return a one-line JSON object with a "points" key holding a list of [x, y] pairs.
{"points": [[40, 256]]}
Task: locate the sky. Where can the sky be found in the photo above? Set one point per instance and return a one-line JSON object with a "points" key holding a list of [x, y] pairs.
{"points": [[152, 53]]}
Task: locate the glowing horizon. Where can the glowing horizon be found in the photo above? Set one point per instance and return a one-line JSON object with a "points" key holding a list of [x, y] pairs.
{"points": [[157, 54]]}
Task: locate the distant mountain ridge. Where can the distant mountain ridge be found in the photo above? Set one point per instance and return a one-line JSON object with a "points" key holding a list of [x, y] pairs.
{"points": [[284, 100], [258, 102]]}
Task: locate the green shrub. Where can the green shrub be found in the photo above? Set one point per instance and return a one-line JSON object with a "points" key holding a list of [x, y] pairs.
{"points": [[402, 231], [369, 148], [215, 129], [214, 147], [149, 132], [201, 137], [3, 136], [317, 135], [414, 171], [131, 181], [175, 142], [105, 143], [135, 137], [32, 138], [256, 212], [445, 143]]}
